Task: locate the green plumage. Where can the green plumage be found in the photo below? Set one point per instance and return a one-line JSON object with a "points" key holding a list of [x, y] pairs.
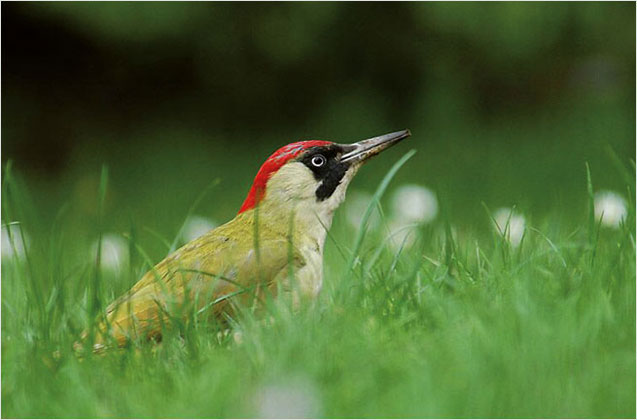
{"points": [[208, 275]]}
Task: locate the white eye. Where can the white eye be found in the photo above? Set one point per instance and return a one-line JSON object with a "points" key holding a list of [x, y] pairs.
{"points": [[318, 161]]}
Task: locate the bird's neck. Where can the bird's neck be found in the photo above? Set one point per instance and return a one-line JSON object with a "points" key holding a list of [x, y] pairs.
{"points": [[307, 226]]}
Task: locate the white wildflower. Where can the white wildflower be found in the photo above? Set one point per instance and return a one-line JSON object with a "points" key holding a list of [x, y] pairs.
{"points": [[292, 398], [13, 247], [509, 224], [114, 253], [196, 226], [355, 207], [414, 203], [610, 207], [401, 234]]}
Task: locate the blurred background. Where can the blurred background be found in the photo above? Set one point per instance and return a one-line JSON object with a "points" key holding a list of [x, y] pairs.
{"points": [[506, 103]]}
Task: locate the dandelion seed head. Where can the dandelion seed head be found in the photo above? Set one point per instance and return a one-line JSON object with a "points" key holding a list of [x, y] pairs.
{"points": [[114, 253], [15, 248], [414, 203], [510, 224], [610, 207], [401, 234], [292, 398], [196, 226], [355, 207]]}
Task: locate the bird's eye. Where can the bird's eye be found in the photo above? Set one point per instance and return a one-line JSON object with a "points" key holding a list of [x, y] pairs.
{"points": [[318, 161]]}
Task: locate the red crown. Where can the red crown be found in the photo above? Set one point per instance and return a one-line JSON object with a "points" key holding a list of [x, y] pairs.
{"points": [[271, 165]]}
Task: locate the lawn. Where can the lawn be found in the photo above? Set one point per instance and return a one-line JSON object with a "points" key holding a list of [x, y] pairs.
{"points": [[459, 319], [483, 267]]}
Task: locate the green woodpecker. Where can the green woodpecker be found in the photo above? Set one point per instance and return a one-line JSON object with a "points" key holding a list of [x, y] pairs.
{"points": [[273, 245]]}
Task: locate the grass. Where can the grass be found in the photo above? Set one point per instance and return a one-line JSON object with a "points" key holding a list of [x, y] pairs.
{"points": [[458, 324]]}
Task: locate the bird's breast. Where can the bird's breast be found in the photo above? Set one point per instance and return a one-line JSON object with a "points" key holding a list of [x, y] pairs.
{"points": [[310, 276]]}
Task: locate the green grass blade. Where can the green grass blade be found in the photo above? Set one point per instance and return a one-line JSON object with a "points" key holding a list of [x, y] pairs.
{"points": [[358, 242]]}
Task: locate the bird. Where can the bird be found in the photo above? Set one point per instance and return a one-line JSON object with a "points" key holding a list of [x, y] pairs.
{"points": [[273, 247]]}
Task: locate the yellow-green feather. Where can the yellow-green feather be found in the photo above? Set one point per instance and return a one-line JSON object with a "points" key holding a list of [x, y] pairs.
{"points": [[222, 262]]}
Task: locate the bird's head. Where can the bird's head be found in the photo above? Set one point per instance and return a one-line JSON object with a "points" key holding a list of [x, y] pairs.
{"points": [[311, 176]]}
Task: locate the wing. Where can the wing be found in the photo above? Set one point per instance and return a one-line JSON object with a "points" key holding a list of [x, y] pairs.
{"points": [[206, 276]]}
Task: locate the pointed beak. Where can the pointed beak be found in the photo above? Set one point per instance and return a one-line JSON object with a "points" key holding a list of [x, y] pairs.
{"points": [[365, 149]]}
